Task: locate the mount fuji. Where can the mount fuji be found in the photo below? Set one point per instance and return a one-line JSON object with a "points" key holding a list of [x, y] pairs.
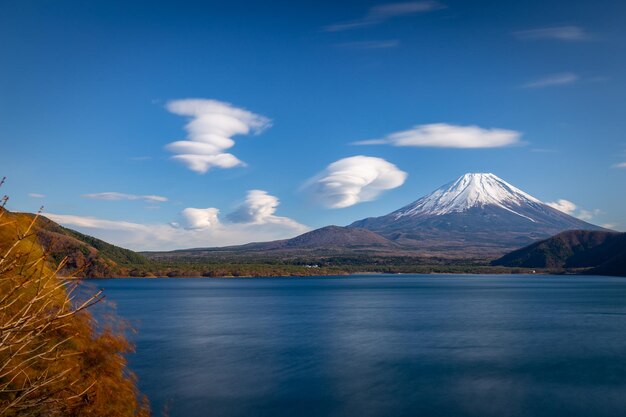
{"points": [[475, 214]]}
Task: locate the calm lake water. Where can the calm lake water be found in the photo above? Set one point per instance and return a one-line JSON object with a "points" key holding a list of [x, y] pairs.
{"points": [[412, 345]]}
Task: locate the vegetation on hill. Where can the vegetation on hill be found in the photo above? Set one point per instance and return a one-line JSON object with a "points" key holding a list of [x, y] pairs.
{"points": [[55, 359], [223, 265], [85, 256], [595, 252]]}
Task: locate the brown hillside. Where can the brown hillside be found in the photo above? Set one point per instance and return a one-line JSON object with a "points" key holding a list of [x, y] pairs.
{"points": [[85, 256]]}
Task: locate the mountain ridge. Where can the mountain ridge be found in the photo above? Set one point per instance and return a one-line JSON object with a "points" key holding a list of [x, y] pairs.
{"points": [[329, 239]]}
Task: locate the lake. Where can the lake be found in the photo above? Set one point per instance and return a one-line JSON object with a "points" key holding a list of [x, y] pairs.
{"points": [[409, 345]]}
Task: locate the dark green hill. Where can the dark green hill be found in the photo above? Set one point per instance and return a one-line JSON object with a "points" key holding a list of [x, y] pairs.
{"points": [[596, 252]]}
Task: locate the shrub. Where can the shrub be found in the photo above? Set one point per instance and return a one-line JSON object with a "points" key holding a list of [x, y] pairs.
{"points": [[55, 359]]}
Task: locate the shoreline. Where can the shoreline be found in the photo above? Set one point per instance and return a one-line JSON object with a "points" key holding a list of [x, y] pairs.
{"points": [[372, 274]]}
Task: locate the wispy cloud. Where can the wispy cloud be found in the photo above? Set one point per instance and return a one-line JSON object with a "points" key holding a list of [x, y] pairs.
{"points": [[384, 12], [393, 43], [621, 165], [198, 227], [562, 33], [587, 215], [572, 209], [353, 180], [563, 205], [36, 195], [563, 78], [94, 222], [544, 150], [115, 196], [210, 131], [442, 135]]}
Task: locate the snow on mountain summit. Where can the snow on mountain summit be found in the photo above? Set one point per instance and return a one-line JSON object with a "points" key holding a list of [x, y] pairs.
{"points": [[470, 190]]}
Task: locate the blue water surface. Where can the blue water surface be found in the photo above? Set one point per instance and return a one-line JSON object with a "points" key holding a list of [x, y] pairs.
{"points": [[408, 345]]}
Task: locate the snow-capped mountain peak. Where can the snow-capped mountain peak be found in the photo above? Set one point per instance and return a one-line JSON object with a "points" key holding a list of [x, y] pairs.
{"points": [[468, 191], [478, 214]]}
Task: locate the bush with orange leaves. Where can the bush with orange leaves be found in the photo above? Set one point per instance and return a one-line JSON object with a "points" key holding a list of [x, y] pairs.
{"points": [[55, 360]]}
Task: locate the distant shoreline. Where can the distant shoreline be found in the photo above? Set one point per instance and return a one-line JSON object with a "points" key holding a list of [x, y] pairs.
{"points": [[225, 277]]}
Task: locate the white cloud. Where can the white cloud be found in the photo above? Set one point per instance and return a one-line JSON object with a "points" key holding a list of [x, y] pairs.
{"points": [[94, 222], [563, 205], [210, 131], [621, 165], [353, 180], [196, 218], [393, 43], [572, 209], [563, 33], [200, 227], [259, 205], [609, 225], [384, 12], [115, 196], [36, 195], [259, 208], [442, 135], [553, 80], [585, 215]]}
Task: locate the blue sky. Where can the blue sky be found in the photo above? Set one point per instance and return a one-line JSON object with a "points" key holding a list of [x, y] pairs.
{"points": [[532, 91]]}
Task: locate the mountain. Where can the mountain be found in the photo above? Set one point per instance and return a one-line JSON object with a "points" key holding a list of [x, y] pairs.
{"points": [[326, 240], [86, 255], [603, 252], [477, 214], [337, 237]]}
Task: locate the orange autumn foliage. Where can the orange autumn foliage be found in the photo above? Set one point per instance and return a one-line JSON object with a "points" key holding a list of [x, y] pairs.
{"points": [[55, 359]]}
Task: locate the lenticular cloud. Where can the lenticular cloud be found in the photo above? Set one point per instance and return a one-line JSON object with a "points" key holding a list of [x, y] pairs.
{"points": [[210, 131], [259, 208], [349, 181], [443, 135], [197, 218]]}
